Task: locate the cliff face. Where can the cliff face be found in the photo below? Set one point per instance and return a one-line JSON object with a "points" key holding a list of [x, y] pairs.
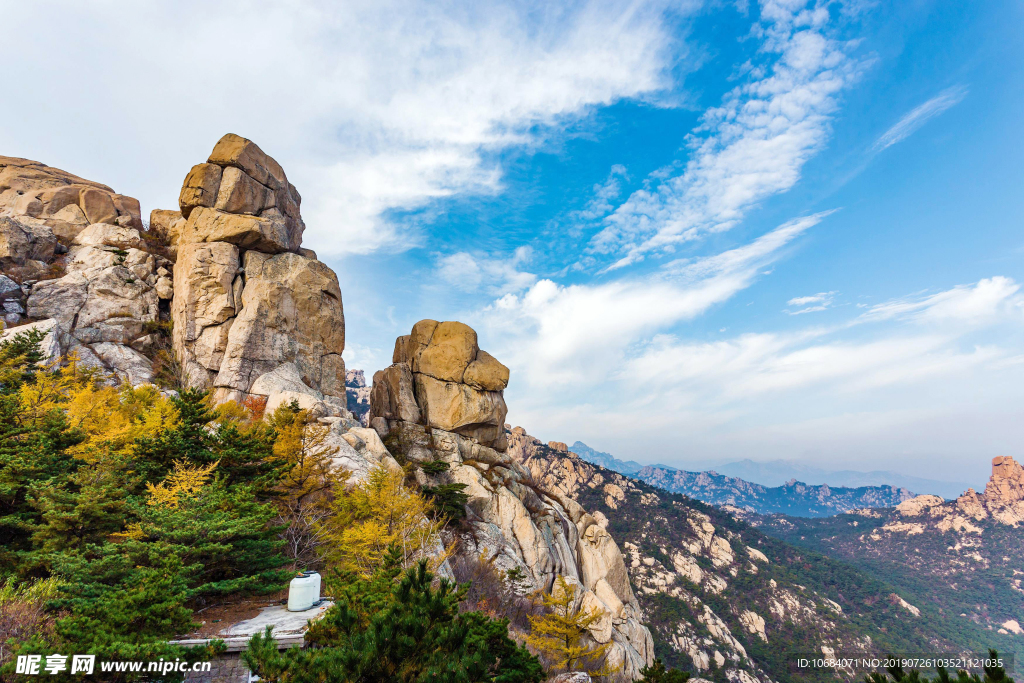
{"points": [[442, 400]]}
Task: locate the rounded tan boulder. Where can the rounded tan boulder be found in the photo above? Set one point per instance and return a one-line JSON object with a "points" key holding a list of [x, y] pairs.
{"points": [[200, 188], [234, 150], [452, 347], [97, 205], [486, 373]]}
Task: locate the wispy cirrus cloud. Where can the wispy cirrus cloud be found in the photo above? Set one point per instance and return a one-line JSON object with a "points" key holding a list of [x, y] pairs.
{"points": [[751, 147], [925, 345], [810, 304], [920, 115], [481, 272]]}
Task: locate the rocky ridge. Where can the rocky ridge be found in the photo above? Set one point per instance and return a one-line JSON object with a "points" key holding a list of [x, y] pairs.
{"points": [[722, 597], [965, 556], [792, 498], [259, 320], [441, 400]]}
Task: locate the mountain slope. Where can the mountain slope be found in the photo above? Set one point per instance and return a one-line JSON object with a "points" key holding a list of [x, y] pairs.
{"points": [[964, 557], [724, 598]]}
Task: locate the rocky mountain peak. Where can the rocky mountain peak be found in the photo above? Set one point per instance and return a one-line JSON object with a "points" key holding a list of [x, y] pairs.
{"points": [[255, 314], [1002, 501], [1006, 486], [442, 400]]}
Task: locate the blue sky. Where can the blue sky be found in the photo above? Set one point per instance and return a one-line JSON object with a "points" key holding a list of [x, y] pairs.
{"points": [[694, 231]]}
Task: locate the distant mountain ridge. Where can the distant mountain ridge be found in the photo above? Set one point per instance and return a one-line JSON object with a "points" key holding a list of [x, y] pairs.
{"points": [[778, 472], [606, 460], [792, 497]]}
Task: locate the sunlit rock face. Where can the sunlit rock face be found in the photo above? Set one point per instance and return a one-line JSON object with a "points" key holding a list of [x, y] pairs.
{"points": [[442, 399], [248, 300]]}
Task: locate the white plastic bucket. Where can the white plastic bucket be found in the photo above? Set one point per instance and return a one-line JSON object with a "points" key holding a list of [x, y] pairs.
{"points": [[304, 592]]}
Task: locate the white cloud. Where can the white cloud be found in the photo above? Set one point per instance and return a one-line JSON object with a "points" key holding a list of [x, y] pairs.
{"points": [[988, 300], [920, 115], [750, 365], [811, 304], [821, 297], [492, 274], [604, 193], [883, 388], [372, 107], [554, 334], [751, 147]]}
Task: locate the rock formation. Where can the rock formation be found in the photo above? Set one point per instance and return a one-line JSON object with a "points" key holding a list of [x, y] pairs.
{"points": [[440, 378], [73, 256], [358, 395], [1002, 501], [442, 400], [254, 314]]}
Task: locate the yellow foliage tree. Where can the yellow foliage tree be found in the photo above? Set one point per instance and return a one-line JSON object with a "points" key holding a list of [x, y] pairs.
{"points": [[558, 634], [110, 418], [367, 519], [304, 493], [184, 481]]}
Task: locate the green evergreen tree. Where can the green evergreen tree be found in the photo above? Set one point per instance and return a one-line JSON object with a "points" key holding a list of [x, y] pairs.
{"points": [[243, 456], [448, 500], [657, 673], [408, 632]]}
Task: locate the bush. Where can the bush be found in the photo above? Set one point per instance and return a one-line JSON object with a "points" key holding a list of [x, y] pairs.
{"points": [[448, 500]]}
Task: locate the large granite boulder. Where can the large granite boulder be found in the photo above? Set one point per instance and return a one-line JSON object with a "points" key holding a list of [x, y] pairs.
{"points": [[248, 300], [242, 196], [291, 311], [29, 188], [440, 378]]}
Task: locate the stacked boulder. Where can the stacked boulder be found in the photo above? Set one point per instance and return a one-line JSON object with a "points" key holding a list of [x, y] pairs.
{"points": [[441, 379], [73, 258], [442, 400], [42, 210], [61, 201], [254, 313]]}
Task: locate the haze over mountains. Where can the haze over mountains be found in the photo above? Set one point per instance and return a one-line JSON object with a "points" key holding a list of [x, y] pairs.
{"points": [[777, 473]]}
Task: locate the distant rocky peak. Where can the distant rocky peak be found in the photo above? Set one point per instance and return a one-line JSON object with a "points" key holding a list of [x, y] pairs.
{"points": [[1006, 486], [1002, 501]]}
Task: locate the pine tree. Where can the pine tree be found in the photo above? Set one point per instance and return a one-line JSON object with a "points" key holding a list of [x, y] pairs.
{"points": [[410, 632], [657, 673], [559, 633]]}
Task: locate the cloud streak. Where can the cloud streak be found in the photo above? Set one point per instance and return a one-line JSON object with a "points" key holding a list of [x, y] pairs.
{"points": [[556, 335], [376, 109], [749, 148], [919, 116]]}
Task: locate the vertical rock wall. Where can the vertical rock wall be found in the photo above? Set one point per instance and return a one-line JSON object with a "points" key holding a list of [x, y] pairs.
{"points": [[249, 302]]}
